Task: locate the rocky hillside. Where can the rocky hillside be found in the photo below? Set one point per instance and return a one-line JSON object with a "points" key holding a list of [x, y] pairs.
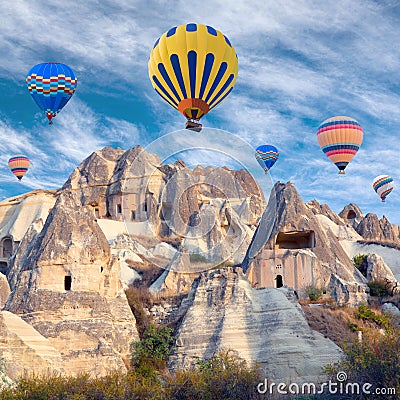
{"points": [[233, 272]]}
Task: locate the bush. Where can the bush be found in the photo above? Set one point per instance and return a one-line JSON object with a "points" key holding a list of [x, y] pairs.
{"points": [[223, 376], [314, 293], [151, 353], [358, 259], [360, 262], [367, 314], [376, 360], [378, 288]]}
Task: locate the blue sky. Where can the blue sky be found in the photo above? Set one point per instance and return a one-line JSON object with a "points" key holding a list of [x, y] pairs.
{"points": [[300, 62]]}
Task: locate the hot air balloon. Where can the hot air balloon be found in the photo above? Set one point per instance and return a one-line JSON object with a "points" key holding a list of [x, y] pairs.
{"points": [[51, 85], [266, 155], [193, 67], [340, 138], [383, 185], [19, 165]]}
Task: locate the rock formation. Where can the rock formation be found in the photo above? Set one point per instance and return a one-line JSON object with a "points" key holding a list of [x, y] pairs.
{"points": [[262, 325], [69, 254], [373, 229], [68, 288], [4, 290], [16, 216], [25, 350], [291, 247], [351, 214]]}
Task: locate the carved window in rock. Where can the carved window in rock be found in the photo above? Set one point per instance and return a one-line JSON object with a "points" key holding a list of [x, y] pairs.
{"points": [[119, 209], [133, 215], [97, 213], [295, 240], [279, 281], [67, 282], [3, 267], [7, 248]]}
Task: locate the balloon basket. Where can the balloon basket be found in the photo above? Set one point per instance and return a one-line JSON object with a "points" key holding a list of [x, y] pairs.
{"points": [[193, 126], [342, 173]]}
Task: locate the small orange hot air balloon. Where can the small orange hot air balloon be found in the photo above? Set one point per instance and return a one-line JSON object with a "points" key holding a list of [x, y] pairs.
{"points": [[19, 165]]}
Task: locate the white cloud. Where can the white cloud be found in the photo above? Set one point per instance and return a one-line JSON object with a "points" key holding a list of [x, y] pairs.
{"points": [[300, 61]]}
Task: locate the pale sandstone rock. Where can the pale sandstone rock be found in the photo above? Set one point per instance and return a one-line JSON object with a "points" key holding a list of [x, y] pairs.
{"points": [[378, 270], [4, 290], [313, 257], [262, 325], [18, 213], [352, 215], [164, 250], [25, 350], [69, 290], [373, 229]]}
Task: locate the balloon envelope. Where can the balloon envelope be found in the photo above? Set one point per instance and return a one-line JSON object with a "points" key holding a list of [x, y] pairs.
{"points": [[193, 67], [340, 138], [266, 155], [19, 165], [383, 185], [51, 85]]}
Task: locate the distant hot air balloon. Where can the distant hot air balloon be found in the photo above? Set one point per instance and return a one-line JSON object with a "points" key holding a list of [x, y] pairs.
{"points": [[19, 165], [193, 67], [266, 155], [51, 85], [383, 185], [340, 138]]}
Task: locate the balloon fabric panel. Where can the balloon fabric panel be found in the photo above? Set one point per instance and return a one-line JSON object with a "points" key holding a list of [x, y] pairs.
{"points": [[193, 67]]}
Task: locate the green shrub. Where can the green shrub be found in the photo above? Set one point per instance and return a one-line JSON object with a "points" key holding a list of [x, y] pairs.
{"points": [[359, 262], [354, 327], [378, 288], [366, 314], [376, 360], [151, 353], [314, 293], [223, 376]]}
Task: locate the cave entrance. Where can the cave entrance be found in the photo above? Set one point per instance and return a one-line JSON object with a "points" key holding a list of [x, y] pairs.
{"points": [[279, 281], [67, 282], [295, 240], [351, 214]]}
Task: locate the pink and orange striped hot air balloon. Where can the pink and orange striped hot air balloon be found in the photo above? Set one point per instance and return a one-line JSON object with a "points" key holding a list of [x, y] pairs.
{"points": [[340, 138], [19, 165]]}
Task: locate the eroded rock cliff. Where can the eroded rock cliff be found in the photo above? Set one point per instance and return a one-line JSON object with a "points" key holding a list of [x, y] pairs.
{"points": [[262, 325]]}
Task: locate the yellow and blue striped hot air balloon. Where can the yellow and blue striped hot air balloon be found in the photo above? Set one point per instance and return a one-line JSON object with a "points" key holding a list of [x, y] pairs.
{"points": [[51, 85], [19, 165], [193, 67], [340, 138]]}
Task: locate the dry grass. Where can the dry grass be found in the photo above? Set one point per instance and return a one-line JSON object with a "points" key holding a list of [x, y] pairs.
{"points": [[338, 324], [139, 299]]}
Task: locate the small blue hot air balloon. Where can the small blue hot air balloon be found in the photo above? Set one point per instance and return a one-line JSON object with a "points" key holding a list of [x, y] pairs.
{"points": [[266, 155], [51, 85]]}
